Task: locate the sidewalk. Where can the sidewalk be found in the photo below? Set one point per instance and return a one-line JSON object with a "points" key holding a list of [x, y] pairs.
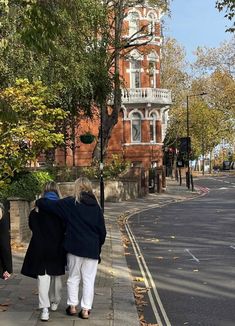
{"points": [[114, 303]]}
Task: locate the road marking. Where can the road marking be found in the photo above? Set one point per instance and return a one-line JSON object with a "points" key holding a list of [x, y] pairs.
{"points": [[139, 255], [194, 258], [232, 247], [148, 280]]}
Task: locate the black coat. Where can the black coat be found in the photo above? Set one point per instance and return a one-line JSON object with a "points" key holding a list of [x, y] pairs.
{"points": [[85, 227], [5, 246], [45, 253]]}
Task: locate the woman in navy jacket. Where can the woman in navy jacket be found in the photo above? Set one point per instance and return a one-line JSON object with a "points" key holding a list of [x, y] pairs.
{"points": [[84, 237], [5, 246], [45, 258]]}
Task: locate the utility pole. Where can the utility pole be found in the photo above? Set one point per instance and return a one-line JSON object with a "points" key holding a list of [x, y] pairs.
{"points": [[189, 177]]}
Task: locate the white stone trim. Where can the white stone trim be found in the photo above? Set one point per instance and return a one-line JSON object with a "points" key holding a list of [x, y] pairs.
{"points": [[142, 144], [135, 111]]}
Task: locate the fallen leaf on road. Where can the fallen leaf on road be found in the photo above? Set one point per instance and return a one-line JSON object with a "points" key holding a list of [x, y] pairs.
{"points": [[141, 290], [4, 306], [138, 279], [2, 309]]}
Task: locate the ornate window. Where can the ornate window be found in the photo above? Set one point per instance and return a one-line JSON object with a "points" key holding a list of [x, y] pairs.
{"points": [[135, 80], [151, 26], [153, 120], [152, 58], [134, 20], [135, 127]]}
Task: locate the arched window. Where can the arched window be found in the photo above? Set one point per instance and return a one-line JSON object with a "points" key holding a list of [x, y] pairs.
{"points": [[133, 22], [136, 127], [153, 120]]}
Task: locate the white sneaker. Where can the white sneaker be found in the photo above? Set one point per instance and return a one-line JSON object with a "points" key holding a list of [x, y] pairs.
{"points": [[44, 314], [54, 306]]}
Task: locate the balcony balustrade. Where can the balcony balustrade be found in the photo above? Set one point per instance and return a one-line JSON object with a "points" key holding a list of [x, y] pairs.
{"points": [[146, 95]]}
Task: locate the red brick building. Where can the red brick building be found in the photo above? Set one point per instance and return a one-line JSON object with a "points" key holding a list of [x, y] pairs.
{"points": [[138, 136]]}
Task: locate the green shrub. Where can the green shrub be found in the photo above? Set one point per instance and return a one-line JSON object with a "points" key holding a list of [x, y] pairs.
{"points": [[112, 170], [27, 185], [63, 173]]}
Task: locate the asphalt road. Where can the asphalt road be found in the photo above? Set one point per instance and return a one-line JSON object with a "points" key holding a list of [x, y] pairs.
{"points": [[186, 251]]}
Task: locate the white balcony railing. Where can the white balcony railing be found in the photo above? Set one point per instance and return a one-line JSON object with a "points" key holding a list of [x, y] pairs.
{"points": [[146, 95]]}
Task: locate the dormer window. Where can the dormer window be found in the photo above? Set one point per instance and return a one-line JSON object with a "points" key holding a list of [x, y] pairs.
{"points": [[135, 127]]}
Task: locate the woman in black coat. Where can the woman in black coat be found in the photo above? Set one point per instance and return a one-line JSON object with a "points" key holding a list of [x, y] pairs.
{"points": [[5, 246], [45, 258], [84, 237]]}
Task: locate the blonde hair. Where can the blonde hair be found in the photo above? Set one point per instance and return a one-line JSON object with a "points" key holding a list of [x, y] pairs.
{"points": [[52, 186], [82, 184]]}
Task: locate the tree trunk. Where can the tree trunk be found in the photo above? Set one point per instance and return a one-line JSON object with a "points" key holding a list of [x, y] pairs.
{"points": [[109, 120]]}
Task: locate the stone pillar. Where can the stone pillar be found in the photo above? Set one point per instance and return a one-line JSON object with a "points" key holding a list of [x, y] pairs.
{"points": [[19, 212]]}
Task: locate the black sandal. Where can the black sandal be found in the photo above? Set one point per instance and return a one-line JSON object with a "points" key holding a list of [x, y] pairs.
{"points": [[68, 311]]}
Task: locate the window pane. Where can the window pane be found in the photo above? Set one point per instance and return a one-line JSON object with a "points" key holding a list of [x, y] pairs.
{"points": [[135, 74], [137, 79], [133, 23], [151, 23], [136, 130], [153, 127], [151, 131], [136, 127]]}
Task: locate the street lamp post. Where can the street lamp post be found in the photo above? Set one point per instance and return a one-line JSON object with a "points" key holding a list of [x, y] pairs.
{"points": [[189, 179], [101, 160]]}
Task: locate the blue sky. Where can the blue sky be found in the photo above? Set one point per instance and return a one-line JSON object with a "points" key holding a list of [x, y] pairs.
{"points": [[196, 23]]}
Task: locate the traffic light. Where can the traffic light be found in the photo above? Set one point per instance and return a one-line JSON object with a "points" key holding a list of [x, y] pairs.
{"points": [[185, 145]]}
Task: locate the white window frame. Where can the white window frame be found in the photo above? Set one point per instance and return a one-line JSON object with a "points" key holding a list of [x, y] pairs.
{"points": [[135, 73], [151, 24], [134, 22], [152, 59], [152, 122], [136, 116]]}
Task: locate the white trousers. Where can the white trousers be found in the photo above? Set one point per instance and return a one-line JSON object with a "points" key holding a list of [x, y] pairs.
{"points": [[84, 269], [49, 290]]}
